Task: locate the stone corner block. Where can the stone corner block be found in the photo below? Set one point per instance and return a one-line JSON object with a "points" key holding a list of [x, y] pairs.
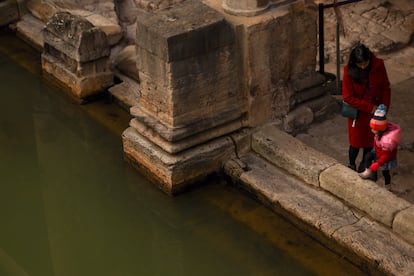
{"points": [[365, 195], [290, 154], [186, 30], [404, 224], [75, 37]]}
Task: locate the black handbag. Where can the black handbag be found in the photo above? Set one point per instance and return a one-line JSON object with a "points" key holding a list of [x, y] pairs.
{"points": [[348, 111]]}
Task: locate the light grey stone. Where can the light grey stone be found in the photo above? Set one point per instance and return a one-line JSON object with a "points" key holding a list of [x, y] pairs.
{"points": [[404, 224], [365, 195], [284, 151], [383, 250]]}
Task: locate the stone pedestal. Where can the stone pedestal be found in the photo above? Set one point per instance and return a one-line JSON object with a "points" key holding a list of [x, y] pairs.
{"points": [[77, 54], [189, 93]]}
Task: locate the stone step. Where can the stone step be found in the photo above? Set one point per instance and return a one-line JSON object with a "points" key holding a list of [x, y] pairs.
{"points": [[126, 92], [345, 230], [29, 28]]}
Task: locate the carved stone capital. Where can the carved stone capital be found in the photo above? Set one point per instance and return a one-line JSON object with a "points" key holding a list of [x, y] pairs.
{"points": [[245, 7]]}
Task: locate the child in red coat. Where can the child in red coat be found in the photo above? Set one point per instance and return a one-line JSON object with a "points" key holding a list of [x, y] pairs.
{"points": [[386, 140]]}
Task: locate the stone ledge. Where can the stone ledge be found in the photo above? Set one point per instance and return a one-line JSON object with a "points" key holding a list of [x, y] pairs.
{"points": [[363, 194], [404, 224], [288, 153], [344, 229], [313, 167], [30, 30]]}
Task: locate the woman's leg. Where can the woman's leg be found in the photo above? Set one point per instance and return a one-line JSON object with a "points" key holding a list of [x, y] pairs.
{"points": [[364, 164], [369, 157], [353, 154]]}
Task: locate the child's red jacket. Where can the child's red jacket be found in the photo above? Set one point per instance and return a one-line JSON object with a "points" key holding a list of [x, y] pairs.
{"points": [[386, 148]]}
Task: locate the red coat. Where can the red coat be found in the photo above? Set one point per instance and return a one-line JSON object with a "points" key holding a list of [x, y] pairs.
{"points": [[364, 99]]}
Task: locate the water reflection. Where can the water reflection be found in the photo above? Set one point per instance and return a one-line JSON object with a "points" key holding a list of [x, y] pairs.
{"points": [[70, 205]]}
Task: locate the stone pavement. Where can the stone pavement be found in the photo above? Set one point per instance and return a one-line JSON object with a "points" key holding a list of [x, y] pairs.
{"points": [[383, 25], [394, 44]]}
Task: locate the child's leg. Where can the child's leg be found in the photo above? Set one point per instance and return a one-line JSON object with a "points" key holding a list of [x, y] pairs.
{"points": [[387, 177]]}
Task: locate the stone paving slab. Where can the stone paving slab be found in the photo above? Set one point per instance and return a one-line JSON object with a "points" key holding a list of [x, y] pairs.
{"points": [[379, 203], [383, 25], [295, 157], [378, 245]]}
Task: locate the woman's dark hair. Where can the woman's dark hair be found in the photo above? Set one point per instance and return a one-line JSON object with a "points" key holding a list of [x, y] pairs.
{"points": [[360, 53]]}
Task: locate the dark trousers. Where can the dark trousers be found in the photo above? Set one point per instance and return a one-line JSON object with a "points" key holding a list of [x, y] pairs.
{"points": [[371, 157], [353, 154]]}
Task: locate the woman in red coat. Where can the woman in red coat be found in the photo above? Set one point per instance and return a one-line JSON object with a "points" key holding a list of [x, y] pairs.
{"points": [[365, 85]]}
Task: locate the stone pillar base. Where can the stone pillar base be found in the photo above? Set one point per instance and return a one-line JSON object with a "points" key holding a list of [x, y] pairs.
{"points": [[175, 173]]}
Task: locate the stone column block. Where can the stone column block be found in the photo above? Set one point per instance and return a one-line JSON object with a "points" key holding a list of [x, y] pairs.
{"points": [[77, 54], [187, 65]]}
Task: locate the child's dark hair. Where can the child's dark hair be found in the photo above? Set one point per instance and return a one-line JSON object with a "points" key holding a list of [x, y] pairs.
{"points": [[360, 53]]}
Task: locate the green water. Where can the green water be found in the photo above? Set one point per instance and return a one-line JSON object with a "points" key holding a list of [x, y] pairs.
{"points": [[71, 206]]}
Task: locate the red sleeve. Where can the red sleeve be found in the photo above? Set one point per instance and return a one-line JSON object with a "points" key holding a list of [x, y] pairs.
{"points": [[384, 157]]}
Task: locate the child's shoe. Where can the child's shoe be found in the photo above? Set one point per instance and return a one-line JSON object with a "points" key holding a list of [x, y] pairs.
{"points": [[368, 174]]}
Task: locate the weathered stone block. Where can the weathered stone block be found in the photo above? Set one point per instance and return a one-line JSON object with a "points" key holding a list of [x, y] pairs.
{"points": [[180, 145], [176, 133], [187, 63], [76, 37], [9, 11], [404, 224], [284, 49], [384, 251], [81, 86], [365, 195], [187, 30], [77, 54], [175, 173], [284, 151], [30, 30]]}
